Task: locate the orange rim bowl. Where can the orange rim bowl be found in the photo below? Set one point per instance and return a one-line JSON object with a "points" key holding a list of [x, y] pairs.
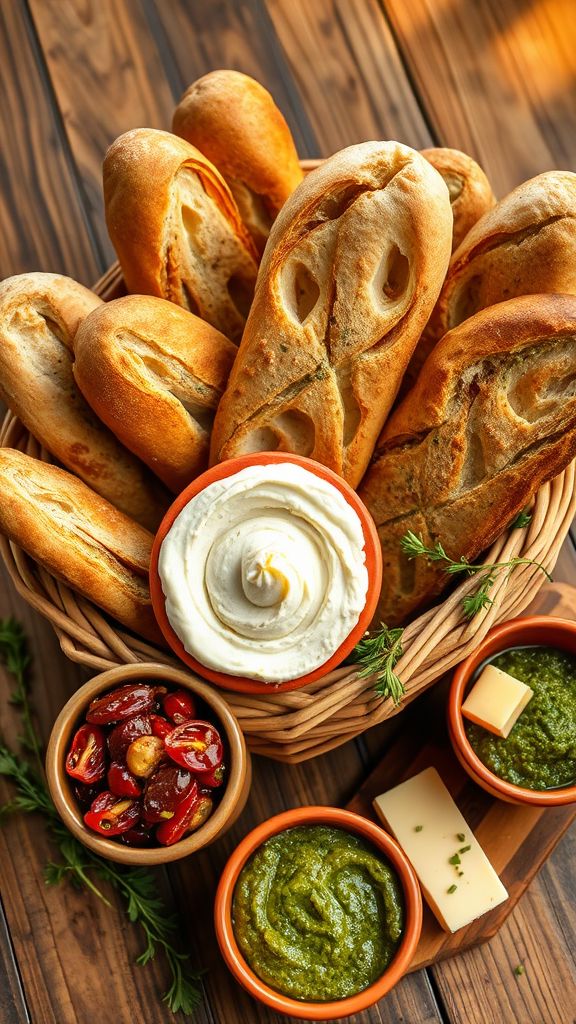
{"points": [[234, 959], [372, 550], [60, 784], [533, 631]]}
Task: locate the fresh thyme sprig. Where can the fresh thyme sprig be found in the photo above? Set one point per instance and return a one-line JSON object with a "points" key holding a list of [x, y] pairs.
{"points": [[377, 655], [79, 865], [413, 546], [523, 519]]}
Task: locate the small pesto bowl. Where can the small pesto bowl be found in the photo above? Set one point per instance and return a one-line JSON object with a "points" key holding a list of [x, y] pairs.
{"points": [[532, 631], [384, 844], [71, 717]]}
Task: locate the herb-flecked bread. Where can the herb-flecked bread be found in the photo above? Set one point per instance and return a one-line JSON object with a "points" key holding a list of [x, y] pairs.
{"points": [[492, 417], [177, 230], [352, 269], [234, 121]]}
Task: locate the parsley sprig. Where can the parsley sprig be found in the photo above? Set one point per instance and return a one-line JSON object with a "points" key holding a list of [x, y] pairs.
{"points": [[413, 546], [84, 869], [377, 655]]}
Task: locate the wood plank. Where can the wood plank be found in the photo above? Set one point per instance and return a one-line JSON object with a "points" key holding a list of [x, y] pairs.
{"points": [[496, 79], [107, 78], [13, 1009], [480, 987], [42, 222], [349, 73], [195, 38]]}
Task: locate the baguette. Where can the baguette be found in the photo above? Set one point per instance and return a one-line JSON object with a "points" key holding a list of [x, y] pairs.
{"points": [[154, 374], [234, 121], [353, 266], [470, 191], [524, 245], [176, 228], [39, 317], [79, 537], [491, 418]]}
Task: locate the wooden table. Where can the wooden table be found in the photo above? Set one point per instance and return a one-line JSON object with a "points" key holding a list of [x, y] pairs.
{"points": [[494, 78]]}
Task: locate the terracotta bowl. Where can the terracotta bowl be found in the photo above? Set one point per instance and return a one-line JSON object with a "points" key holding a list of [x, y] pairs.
{"points": [[349, 822], [538, 630], [372, 551], [71, 717]]}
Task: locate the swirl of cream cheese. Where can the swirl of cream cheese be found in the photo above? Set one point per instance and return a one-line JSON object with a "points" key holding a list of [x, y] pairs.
{"points": [[264, 573]]}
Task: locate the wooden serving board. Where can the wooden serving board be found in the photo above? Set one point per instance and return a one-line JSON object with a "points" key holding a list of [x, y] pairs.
{"points": [[517, 840]]}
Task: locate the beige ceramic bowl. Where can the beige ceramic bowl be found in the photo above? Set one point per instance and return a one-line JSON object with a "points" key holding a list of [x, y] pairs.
{"points": [[72, 716]]}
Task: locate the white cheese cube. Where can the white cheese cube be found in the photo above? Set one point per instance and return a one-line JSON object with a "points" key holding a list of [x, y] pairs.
{"points": [[423, 817], [496, 701]]}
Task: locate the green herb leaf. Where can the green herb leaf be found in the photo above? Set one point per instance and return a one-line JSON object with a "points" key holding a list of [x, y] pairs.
{"points": [[413, 546], [78, 865], [455, 860], [418, 828], [519, 970], [460, 836], [451, 889], [523, 519], [464, 849], [377, 655]]}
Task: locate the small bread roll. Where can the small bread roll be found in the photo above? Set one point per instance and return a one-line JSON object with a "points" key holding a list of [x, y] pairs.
{"points": [[524, 245], [352, 269], [177, 230], [154, 374], [492, 417], [79, 537], [234, 121], [470, 191], [39, 317]]}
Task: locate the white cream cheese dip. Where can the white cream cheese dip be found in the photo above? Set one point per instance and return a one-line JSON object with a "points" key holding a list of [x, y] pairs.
{"points": [[264, 573]]}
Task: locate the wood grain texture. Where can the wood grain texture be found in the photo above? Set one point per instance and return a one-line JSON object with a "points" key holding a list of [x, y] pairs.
{"points": [[43, 225], [13, 1008], [107, 77], [195, 38], [349, 73], [497, 80]]}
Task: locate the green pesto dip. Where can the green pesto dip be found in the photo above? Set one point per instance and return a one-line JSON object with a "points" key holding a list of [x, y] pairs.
{"points": [[540, 751], [317, 913]]}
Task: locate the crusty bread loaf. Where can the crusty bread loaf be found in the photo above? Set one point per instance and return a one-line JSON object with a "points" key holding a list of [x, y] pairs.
{"points": [[176, 228], [234, 121], [39, 316], [524, 245], [78, 536], [470, 191], [352, 269], [491, 417], [154, 373]]}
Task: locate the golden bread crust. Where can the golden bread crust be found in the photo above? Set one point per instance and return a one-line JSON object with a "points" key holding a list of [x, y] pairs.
{"points": [[352, 269], [234, 121], [470, 191], [154, 373], [491, 417], [176, 228], [39, 317], [80, 537]]}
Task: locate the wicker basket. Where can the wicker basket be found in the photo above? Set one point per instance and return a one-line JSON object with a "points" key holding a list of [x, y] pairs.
{"points": [[300, 724]]}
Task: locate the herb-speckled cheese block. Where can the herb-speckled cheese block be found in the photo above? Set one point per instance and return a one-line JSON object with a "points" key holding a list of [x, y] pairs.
{"points": [[456, 877], [496, 701]]}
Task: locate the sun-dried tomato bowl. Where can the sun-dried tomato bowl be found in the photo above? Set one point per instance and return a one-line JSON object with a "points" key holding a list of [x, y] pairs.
{"points": [[235, 790]]}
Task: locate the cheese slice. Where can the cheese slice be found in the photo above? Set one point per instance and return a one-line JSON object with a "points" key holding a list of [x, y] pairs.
{"points": [[429, 827], [496, 701]]}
